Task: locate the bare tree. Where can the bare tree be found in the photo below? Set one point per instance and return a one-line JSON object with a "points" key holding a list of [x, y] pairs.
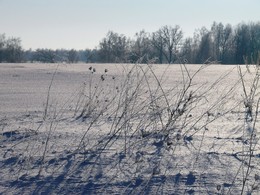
{"points": [[205, 46], [254, 42], [13, 50], [167, 41], [44, 55], [172, 37], [158, 43], [72, 56], [141, 47], [222, 37], [242, 37], [187, 50], [2, 44], [114, 48]]}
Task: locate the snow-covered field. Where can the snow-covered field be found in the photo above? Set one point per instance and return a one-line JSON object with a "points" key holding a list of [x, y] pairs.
{"points": [[128, 129]]}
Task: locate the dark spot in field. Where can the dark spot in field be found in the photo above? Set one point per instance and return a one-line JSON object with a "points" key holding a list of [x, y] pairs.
{"points": [[52, 161], [9, 134], [98, 176], [85, 163], [227, 185], [158, 143], [218, 187], [60, 178], [163, 178], [11, 161], [190, 179], [15, 135], [138, 182], [177, 178], [122, 156], [188, 138], [191, 191]]}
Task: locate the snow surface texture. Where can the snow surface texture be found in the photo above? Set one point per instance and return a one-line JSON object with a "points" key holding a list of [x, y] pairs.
{"points": [[128, 129]]}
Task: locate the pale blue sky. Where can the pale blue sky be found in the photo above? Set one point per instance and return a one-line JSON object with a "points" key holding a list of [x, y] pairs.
{"points": [[82, 24]]}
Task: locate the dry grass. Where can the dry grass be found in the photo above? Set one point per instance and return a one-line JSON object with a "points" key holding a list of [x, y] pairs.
{"points": [[140, 131]]}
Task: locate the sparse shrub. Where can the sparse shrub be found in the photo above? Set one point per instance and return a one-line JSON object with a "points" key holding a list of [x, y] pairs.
{"points": [[251, 102]]}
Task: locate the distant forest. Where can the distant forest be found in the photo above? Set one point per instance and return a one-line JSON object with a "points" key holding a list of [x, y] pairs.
{"points": [[224, 44]]}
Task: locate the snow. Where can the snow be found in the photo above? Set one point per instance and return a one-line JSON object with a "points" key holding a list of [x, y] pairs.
{"points": [[126, 129]]}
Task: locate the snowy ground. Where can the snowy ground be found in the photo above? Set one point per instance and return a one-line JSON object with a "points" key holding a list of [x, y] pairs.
{"points": [[126, 129]]}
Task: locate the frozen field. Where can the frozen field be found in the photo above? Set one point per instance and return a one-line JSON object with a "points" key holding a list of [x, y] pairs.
{"points": [[129, 129]]}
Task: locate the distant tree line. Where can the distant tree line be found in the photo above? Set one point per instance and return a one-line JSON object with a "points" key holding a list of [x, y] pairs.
{"points": [[222, 43], [10, 49], [60, 55]]}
